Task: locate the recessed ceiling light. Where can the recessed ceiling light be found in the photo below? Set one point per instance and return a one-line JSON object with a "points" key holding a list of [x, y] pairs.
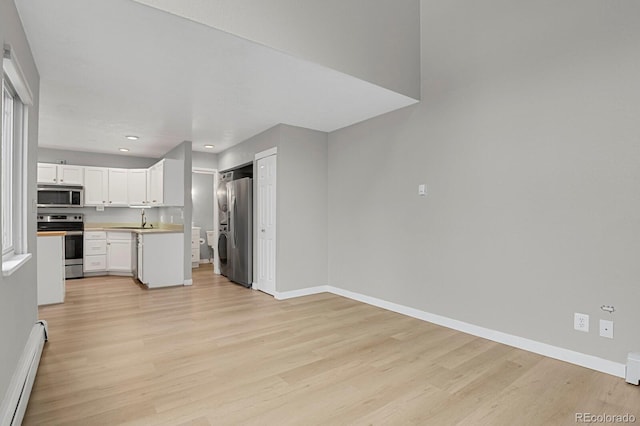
{"points": [[209, 146], [132, 137], [124, 149]]}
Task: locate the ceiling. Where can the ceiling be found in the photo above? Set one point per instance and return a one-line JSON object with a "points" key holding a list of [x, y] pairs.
{"points": [[113, 68]]}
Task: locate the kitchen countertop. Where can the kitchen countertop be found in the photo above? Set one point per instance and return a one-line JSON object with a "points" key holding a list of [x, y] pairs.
{"points": [[51, 233], [129, 228]]}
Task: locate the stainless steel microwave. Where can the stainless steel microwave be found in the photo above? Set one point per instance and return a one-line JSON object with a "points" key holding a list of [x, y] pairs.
{"points": [[60, 196]]}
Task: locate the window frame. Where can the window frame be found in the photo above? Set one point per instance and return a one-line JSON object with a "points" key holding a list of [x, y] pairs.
{"points": [[15, 254], [7, 155]]}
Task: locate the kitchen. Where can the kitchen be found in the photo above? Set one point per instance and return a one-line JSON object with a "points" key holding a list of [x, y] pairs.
{"points": [[71, 198]]}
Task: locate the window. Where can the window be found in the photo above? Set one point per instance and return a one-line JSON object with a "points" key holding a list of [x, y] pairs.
{"points": [[16, 98], [7, 168]]}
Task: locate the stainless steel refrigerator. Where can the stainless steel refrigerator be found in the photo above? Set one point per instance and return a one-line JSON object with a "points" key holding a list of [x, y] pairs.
{"points": [[240, 231]]}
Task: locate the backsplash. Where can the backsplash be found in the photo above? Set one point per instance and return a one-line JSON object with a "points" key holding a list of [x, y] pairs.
{"points": [[109, 215], [171, 215]]}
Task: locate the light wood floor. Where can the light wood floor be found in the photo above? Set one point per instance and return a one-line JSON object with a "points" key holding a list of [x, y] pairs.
{"points": [[217, 353]]}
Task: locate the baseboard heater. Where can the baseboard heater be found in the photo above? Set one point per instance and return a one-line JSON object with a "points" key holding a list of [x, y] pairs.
{"points": [[17, 397]]}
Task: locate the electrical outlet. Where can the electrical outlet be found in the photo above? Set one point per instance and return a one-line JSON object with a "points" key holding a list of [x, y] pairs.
{"points": [[581, 322], [606, 328]]}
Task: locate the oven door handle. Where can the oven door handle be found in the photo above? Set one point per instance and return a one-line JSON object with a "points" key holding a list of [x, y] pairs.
{"points": [[73, 232]]}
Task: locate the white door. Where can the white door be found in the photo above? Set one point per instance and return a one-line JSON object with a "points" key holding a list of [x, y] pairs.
{"points": [[118, 187], [119, 255], [96, 185], [266, 224], [71, 175], [156, 188], [47, 173], [138, 186]]}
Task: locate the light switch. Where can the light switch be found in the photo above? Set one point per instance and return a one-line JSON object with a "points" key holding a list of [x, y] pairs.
{"points": [[422, 189]]}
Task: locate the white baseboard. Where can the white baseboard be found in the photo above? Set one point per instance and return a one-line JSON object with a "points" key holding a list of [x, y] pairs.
{"points": [[16, 398], [589, 361], [562, 354], [188, 282], [283, 295]]}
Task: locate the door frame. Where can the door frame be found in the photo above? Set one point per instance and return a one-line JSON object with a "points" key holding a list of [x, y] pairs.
{"points": [[214, 172], [258, 156]]}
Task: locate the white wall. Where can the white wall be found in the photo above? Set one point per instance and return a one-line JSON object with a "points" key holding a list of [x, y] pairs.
{"points": [[18, 303], [301, 201], [204, 160], [374, 40], [245, 152], [50, 155], [183, 153], [203, 197], [527, 138]]}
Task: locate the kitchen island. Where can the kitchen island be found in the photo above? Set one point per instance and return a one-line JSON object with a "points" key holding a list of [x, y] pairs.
{"points": [[50, 264]]}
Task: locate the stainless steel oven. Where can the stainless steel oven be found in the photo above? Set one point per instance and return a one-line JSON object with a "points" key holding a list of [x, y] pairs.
{"points": [[60, 196], [73, 225]]}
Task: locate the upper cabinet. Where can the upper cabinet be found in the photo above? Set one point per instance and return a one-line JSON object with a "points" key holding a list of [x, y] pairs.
{"points": [[166, 183], [138, 194], [118, 187], [60, 174], [96, 186], [160, 185]]}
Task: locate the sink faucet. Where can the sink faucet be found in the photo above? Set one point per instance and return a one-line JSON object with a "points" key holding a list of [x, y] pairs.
{"points": [[143, 219]]}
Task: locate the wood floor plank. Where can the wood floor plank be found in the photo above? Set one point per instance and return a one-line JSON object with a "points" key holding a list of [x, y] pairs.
{"points": [[216, 353]]}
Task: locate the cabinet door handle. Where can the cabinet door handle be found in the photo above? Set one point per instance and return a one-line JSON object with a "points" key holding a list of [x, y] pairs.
{"points": [[61, 180], [55, 180], [110, 202]]}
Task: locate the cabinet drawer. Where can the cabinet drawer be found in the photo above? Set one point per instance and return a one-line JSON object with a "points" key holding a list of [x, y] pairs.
{"points": [[95, 235], [94, 247], [195, 243], [120, 235], [95, 263], [195, 255]]}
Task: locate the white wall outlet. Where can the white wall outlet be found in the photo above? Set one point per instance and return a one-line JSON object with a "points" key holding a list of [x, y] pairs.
{"points": [[581, 322], [606, 328], [422, 189]]}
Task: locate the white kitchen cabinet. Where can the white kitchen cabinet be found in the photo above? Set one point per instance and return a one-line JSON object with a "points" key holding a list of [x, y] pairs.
{"points": [[156, 183], [138, 187], [119, 252], [51, 285], [95, 251], [160, 259], [96, 186], [71, 175], [47, 173], [61, 174], [166, 183], [118, 187]]}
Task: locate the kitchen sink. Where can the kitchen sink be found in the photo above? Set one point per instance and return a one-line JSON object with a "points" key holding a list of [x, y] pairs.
{"points": [[132, 227]]}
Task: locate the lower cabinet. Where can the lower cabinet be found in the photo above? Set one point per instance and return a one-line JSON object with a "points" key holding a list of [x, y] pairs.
{"points": [[95, 251], [51, 286], [119, 252], [107, 251], [161, 259]]}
